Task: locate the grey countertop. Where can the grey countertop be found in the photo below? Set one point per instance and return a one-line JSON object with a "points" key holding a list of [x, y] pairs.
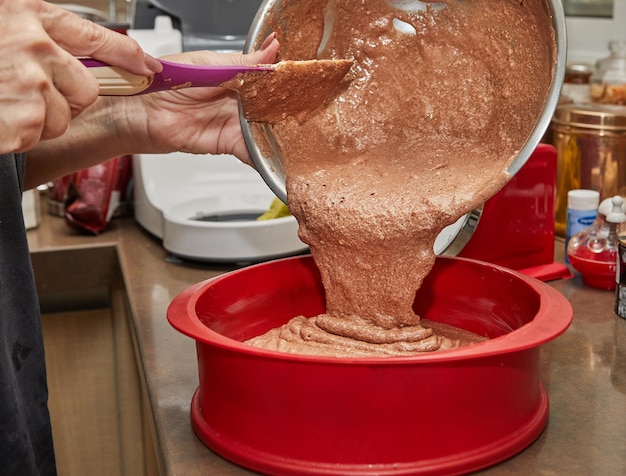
{"points": [[583, 371]]}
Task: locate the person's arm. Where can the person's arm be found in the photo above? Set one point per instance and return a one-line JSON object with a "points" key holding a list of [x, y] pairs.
{"points": [[195, 120], [96, 135], [42, 85]]}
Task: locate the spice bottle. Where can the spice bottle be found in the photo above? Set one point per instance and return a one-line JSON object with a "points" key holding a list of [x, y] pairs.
{"points": [[582, 210], [608, 84], [593, 251]]}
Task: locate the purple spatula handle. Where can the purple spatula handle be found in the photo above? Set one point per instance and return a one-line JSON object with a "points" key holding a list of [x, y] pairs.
{"points": [[179, 76]]}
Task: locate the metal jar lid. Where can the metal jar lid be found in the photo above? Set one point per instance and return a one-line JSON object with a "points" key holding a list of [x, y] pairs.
{"points": [[605, 117], [578, 73]]}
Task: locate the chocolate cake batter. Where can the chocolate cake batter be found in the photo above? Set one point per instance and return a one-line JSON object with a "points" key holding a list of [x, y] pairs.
{"points": [[293, 88], [442, 97]]}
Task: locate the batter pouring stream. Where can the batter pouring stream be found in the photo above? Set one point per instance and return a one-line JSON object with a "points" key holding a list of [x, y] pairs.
{"points": [[438, 103]]}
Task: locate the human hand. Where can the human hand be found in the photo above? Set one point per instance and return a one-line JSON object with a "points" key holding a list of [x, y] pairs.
{"points": [[42, 85], [194, 120]]}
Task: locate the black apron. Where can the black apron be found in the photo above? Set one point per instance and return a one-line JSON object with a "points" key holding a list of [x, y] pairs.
{"points": [[25, 435]]}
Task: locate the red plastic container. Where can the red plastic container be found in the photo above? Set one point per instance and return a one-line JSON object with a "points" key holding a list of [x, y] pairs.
{"points": [[596, 272], [441, 413]]}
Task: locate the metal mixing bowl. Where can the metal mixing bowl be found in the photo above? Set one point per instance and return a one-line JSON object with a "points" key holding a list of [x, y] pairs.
{"points": [[264, 150]]}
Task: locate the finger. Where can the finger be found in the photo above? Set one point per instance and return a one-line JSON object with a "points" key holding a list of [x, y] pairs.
{"points": [[267, 53], [47, 112], [35, 119], [21, 130], [75, 83], [58, 114], [35, 109], [82, 37], [262, 56]]}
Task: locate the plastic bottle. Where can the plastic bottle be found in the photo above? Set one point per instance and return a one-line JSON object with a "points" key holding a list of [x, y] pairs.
{"points": [[608, 84], [593, 251], [582, 210]]}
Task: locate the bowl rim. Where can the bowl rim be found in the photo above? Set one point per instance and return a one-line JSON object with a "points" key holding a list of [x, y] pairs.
{"points": [[552, 319]]}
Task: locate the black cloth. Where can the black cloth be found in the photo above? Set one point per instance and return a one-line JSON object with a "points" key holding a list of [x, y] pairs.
{"points": [[25, 433]]}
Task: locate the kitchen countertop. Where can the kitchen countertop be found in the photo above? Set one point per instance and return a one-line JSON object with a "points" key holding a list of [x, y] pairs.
{"points": [[583, 371]]}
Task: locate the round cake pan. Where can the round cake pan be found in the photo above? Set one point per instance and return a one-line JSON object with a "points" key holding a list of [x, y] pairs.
{"points": [[447, 412]]}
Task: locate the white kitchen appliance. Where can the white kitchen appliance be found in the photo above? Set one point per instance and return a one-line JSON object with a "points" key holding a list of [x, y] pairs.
{"points": [[204, 208]]}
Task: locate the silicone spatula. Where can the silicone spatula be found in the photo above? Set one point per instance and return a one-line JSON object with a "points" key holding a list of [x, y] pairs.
{"points": [[115, 81], [268, 92]]}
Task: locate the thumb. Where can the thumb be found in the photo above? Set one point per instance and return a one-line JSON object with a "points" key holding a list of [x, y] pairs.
{"points": [[265, 55]]}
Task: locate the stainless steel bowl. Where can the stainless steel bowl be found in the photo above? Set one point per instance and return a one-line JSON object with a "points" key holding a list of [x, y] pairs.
{"points": [[265, 153]]}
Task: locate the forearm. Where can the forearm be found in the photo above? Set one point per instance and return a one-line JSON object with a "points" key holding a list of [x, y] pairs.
{"points": [[101, 132]]}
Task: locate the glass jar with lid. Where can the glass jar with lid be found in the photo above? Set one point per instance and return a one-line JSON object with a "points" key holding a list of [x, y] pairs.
{"points": [[576, 85], [608, 83], [590, 141]]}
